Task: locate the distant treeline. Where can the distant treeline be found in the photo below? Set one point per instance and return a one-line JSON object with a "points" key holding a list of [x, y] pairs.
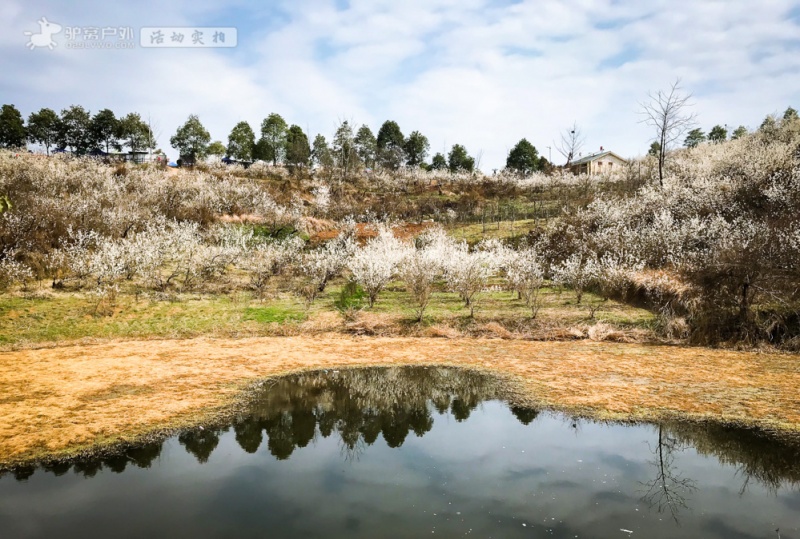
{"points": [[78, 131]]}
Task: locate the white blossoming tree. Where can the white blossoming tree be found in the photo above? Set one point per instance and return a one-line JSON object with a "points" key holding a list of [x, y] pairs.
{"points": [[318, 266], [374, 265], [525, 271], [269, 259], [468, 272], [423, 265], [577, 272]]}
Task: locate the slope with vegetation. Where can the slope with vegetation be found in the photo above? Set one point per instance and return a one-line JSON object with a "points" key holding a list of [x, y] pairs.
{"points": [[710, 252]]}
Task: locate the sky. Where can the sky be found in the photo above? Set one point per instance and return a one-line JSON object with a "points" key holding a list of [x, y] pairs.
{"points": [[482, 73]]}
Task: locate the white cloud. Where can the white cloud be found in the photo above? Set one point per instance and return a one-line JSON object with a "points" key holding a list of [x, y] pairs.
{"points": [[478, 73]]}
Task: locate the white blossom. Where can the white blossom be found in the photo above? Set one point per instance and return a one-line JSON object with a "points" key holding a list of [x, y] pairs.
{"points": [[525, 271], [375, 265], [577, 272], [468, 272]]}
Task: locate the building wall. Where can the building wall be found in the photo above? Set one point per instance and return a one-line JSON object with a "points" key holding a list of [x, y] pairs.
{"points": [[605, 165]]}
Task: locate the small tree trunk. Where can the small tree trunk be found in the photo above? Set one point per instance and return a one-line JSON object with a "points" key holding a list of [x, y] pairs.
{"points": [[662, 155], [744, 303]]}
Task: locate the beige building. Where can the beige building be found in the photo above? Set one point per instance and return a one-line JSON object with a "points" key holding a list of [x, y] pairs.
{"points": [[603, 162]]}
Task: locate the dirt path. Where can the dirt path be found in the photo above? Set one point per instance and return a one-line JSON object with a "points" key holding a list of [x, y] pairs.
{"points": [[55, 401]]}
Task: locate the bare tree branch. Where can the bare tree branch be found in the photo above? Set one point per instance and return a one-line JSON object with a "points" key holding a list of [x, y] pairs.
{"points": [[665, 113], [668, 490], [571, 142]]}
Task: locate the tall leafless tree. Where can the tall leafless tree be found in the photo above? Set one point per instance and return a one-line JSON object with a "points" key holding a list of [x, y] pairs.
{"points": [[666, 113], [668, 489], [571, 142], [153, 134]]}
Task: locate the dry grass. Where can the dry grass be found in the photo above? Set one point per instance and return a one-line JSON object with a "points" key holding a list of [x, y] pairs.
{"points": [[366, 231], [56, 401]]}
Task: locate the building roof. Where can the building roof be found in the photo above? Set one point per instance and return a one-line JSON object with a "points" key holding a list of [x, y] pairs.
{"points": [[595, 156]]}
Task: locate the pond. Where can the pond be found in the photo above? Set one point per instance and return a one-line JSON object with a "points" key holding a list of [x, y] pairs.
{"points": [[413, 452]]}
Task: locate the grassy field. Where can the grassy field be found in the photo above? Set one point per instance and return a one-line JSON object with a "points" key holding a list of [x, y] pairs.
{"points": [[59, 316], [58, 401], [475, 232]]}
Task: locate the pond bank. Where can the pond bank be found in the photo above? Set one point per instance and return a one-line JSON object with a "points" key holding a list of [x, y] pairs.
{"points": [[62, 400]]}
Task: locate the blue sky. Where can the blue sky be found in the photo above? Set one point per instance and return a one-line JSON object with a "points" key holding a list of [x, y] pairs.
{"points": [[476, 72]]}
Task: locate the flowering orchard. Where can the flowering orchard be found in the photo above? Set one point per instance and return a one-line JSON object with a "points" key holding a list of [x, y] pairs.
{"points": [[716, 248], [717, 244]]}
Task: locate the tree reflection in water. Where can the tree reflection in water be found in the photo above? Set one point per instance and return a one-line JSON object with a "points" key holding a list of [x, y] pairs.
{"points": [[361, 405], [141, 456], [668, 490], [771, 461], [200, 442], [524, 415], [358, 405]]}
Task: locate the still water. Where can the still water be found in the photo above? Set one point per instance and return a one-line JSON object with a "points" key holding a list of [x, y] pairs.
{"points": [[415, 452]]}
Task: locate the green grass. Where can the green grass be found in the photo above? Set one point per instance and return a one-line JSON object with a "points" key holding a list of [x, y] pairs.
{"points": [[273, 314], [447, 307], [475, 232], [70, 315]]}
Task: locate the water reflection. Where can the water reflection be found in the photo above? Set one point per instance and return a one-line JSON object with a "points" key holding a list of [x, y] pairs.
{"points": [[766, 460], [141, 456], [669, 489], [358, 406], [406, 452], [200, 442]]}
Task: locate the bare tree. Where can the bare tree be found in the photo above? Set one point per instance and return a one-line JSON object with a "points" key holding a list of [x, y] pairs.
{"points": [[153, 134], [571, 142], [668, 490], [665, 113]]}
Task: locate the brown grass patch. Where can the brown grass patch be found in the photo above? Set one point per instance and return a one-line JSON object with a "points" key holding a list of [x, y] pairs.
{"points": [[494, 329], [372, 324], [604, 332], [320, 227], [366, 231], [75, 397], [557, 332], [116, 392], [441, 330]]}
